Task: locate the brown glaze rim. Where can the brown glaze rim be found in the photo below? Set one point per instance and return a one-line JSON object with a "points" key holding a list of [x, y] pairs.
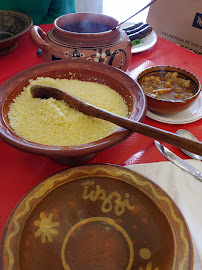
{"points": [[8, 135], [25, 17], [165, 204], [79, 16]]}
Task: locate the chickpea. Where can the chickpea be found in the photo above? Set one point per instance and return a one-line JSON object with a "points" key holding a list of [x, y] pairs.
{"points": [[158, 80], [168, 75], [146, 79], [167, 84], [174, 74]]}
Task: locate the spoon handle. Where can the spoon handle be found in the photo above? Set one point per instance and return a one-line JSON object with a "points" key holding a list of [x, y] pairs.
{"points": [[40, 91], [141, 128], [149, 4]]}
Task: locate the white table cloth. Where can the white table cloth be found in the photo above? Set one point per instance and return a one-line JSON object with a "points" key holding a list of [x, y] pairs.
{"points": [[185, 190]]}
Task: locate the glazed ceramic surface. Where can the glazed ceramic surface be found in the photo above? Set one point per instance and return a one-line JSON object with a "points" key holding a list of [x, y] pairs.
{"points": [[87, 36], [169, 106], [96, 217], [72, 69], [13, 24]]}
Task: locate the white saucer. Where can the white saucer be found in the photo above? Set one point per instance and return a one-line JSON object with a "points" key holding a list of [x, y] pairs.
{"points": [[191, 114], [146, 43]]}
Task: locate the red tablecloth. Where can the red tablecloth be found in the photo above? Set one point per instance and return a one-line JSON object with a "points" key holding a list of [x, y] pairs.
{"points": [[20, 171]]}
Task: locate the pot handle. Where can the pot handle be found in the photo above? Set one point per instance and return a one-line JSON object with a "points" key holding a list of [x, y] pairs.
{"points": [[38, 36]]}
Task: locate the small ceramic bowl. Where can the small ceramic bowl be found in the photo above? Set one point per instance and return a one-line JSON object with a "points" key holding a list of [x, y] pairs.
{"points": [[170, 106], [88, 71], [13, 25]]}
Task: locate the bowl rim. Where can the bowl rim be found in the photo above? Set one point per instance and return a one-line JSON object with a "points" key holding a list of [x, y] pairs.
{"points": [[91, 15], [21, 15], [158, 67], [11, 138]]}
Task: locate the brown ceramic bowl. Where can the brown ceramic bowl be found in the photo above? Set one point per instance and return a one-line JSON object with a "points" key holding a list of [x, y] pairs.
{"points": [[13, 25], [88, 36], [88, 71], [96, 217], [170, 106]]}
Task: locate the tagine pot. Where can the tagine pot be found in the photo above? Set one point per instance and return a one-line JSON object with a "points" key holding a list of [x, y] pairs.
{"points": [[88, 36]]}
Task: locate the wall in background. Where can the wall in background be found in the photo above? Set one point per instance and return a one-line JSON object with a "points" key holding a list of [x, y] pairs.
{"points": [[122, 10], [95, 6], [118, 9]]}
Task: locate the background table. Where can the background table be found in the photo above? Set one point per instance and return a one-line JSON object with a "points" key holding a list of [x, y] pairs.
{"points": [[20, 171]]}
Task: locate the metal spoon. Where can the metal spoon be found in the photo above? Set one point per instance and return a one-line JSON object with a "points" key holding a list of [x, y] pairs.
{"points": [[42, 91], [150, 3], [189, 135]]}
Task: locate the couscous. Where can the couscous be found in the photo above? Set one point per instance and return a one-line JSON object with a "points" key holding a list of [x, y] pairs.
{"points": [[53, 122]]}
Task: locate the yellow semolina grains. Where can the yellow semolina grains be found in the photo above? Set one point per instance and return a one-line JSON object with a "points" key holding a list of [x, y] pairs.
{"points": [[53, 122]]}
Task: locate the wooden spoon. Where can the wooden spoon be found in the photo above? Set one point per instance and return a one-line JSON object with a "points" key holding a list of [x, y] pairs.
{"points": [[42, 91]]}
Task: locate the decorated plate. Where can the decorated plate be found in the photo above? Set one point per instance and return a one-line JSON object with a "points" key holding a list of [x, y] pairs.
{"points": [[189, 115], [96, 217], [144, 43]]}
